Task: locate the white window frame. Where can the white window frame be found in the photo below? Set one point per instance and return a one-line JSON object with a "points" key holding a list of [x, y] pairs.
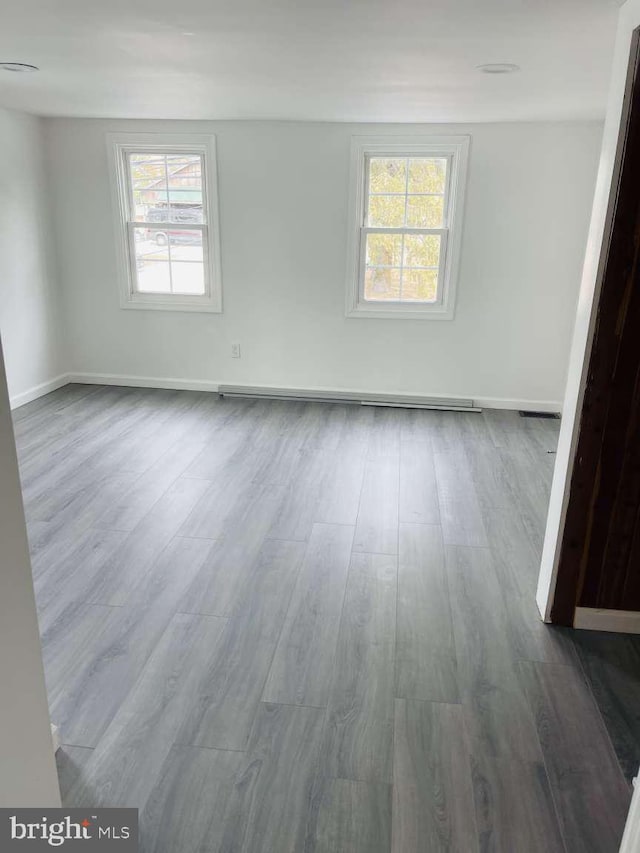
{"points": [[119, 146], [456, 150]]}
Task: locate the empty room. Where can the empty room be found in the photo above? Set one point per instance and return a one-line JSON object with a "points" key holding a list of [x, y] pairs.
{"points": [[319, 443]]}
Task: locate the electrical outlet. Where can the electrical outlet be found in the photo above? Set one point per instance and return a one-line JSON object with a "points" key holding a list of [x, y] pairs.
{"points": [[235, 350]]}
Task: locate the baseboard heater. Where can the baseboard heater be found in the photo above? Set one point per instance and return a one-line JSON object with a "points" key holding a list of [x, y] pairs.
{"points": [[403, 401]]}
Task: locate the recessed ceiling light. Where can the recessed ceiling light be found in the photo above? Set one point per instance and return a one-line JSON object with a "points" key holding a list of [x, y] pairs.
{"points": [[18, 66], [498, 68]]}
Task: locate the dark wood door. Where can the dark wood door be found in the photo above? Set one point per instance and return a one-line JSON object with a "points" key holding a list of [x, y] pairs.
{"points": [[600, 553]]}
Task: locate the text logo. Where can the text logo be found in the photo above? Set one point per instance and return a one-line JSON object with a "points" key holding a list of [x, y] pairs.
{"points": [[42, 829]]}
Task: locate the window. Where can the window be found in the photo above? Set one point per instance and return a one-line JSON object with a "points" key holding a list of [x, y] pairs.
{"points": [[406, 210], [166, 206]]}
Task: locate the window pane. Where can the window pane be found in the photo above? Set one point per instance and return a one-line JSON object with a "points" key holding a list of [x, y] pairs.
{"points": [[153, 276], [153, 210], [384, 250], [381, 284], [152, 241], [427, 175], [184, 172], [421, 250], [166, 188], [187, 277], [387, 175], [425, 211], [186, 245], [152, 262], [148, 184], [420, 285], [386, 211], [184, 167], [186, 213], [156, 248], [150, 244], [144, 166], [174, 212]]}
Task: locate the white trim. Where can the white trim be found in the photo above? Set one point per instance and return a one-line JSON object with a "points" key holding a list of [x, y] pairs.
{"points": [[143, 381], [631, 838], [181, 384], [55, 738], [619, 621], [456, 150], [38, 391], [118, 144], [548, 406], [176, 384]]}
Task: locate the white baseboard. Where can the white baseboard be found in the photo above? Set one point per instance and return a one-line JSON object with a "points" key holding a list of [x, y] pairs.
{"points": [[39, 391], [619, 621], [110, 379], [143, 381], [207, 385], [548, 406]]}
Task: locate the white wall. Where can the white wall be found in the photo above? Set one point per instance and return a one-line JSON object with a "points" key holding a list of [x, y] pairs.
{"points": [[29, 319], [588, 299], [283, 200], [27, 767]]}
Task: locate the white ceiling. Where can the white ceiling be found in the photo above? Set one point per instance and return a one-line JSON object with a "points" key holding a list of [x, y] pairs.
{"points": [[342, 60]]}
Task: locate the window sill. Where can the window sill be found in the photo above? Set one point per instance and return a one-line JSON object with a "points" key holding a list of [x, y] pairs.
{"points": [[137, 303], [366, 312]]}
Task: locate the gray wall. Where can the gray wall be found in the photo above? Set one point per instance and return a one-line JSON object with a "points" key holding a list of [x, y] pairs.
{"points": [[284, 190]]}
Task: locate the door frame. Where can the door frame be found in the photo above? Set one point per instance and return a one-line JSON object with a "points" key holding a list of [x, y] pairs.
{"points": [[562, 562]]}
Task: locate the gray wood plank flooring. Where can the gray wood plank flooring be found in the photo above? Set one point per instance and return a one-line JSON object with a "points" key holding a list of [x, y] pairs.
{"points": [[611, 663], [496, 710], [432, 799], [359, 723], [579, 757], [229, 691], [303, 663], [418, 485], [377, 526], [350, 817], [424, 618], [194, 803], [285, 746], [514, 806], [113, 657], [307, 628]]}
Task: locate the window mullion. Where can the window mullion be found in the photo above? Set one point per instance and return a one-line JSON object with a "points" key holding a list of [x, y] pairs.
{"points": [[382, 230], [406, 189], [406, 209], [170, 264], [364, 214], [166, 226], [130, 206], [166, 180], [401, 267]]}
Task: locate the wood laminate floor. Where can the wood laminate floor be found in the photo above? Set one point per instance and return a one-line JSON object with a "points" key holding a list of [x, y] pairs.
{"points": [[280, 627]]}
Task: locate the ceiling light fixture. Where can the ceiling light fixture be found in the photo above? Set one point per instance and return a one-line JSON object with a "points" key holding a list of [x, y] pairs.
{"points": [[498, 68], [18, 67]]}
